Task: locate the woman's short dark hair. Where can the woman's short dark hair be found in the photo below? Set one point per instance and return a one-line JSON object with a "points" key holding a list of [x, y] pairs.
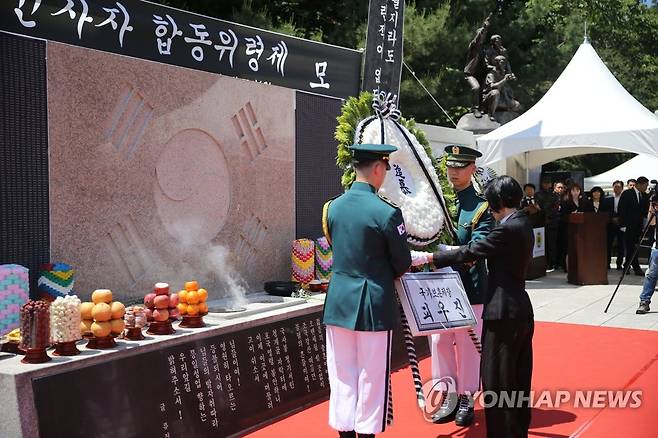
{"points": [[503, 192], [596, 189]]}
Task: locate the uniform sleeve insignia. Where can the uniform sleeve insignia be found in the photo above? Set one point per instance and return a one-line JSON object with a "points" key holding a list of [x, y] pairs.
{"points": [[401, 229]]}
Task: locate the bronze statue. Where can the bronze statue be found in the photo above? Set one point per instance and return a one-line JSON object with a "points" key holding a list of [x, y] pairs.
{"points": [[496, 49], [497, 91], [473, 68]]}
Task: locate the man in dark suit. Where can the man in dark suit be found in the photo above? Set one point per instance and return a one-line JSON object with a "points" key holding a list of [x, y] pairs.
{"points": [[506, 363], [610, 205], [633, 207]]}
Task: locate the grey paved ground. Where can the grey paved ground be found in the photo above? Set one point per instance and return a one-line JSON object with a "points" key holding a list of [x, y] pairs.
{"points": [[556, 300]]}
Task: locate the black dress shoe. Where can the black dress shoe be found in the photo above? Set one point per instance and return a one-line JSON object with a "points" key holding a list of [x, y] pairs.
{"points": [[448, 409], [644, 308], [638, 272], [348, 434], [465, 413], [619, 268], [366, 435]]}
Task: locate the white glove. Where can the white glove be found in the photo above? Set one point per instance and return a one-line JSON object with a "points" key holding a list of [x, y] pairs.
{"points": [[419, 258], [443, 247]]}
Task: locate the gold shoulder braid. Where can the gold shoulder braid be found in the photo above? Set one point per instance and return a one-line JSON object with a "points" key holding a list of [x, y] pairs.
{"points": [[325, 220], [478, 214]]}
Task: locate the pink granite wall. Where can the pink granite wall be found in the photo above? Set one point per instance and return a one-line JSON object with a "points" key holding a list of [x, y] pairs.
{"points": [[160, 173]]}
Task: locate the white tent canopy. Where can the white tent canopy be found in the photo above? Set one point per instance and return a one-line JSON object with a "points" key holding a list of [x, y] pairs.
{"points": [[585, 111], [640, 165]]}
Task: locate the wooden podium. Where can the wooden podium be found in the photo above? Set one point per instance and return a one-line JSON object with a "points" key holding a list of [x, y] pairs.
{"points": [[588, 250]]}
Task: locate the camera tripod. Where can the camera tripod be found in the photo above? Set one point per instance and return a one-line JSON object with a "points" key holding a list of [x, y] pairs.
{"points": [[638, 245]]}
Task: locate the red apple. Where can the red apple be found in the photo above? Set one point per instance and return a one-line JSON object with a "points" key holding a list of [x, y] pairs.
{"points": [[161, 301], [161, 314], [173, 300], [161, 289], [148, 300]]}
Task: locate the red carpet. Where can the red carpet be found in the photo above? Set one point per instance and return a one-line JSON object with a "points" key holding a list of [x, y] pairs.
{"points": [[567, 358]]}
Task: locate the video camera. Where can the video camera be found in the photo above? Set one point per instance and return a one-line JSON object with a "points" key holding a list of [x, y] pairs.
{"points": [[653, 193]]}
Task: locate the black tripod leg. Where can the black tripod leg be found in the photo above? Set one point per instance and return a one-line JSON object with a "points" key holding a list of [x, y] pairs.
{"points": [[628, 265]]}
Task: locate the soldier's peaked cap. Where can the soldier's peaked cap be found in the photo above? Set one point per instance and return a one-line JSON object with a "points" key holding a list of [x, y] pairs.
{"points": [[366, 151], [460, 156]]}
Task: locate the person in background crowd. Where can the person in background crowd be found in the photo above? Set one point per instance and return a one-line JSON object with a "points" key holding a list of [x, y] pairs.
{"points": [[610, 205], [595, 197], [651, 278], [573, 202], [631, 183], [633, 207], [529, 203], [549, 202]]}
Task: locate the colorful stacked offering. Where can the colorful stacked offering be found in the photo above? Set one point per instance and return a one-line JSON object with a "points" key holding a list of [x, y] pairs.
{"points": [[324, 259], [192, 305], [102, 318], [303, 261], [65, 324], [35, 331], [135, 319], [158, 306], [14, 290], [55, 280]]}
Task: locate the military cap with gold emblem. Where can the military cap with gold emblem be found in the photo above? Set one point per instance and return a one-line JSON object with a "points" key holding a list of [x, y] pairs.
{"points": [[371, 152], [460, 156]]}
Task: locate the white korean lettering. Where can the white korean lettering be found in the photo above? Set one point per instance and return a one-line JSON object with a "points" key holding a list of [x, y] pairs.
{"points": [[278, 57], [229, 42], [84, 15], [320, 73], [164, 46], [391, 37], [254, 47], [19, 13], [200, 32], [111, 20]]}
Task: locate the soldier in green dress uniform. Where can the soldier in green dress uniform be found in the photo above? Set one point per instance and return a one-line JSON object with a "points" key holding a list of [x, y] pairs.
{"points": [[454, 354], [370, 250]]}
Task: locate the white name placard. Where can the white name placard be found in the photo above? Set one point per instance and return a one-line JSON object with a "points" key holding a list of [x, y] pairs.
{"points": [[435, 302], [539, 250]]}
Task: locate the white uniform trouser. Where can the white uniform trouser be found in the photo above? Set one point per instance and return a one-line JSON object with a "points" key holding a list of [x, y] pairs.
{"points": [[359, 368], [454, 355]]}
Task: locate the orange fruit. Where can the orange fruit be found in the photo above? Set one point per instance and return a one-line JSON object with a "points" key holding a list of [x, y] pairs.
{"points": [[182, 296], [203, 295], [192, 297], [203, 308], [191, 285], [192, 309], [182, 308]]}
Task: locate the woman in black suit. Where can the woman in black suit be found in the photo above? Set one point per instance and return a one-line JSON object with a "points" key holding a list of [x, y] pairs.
{"points": [[506, 362], [573, 202]]}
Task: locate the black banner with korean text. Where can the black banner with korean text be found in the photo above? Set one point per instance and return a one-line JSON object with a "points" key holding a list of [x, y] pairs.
{"points": [[159, 33], [384, 44]]}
